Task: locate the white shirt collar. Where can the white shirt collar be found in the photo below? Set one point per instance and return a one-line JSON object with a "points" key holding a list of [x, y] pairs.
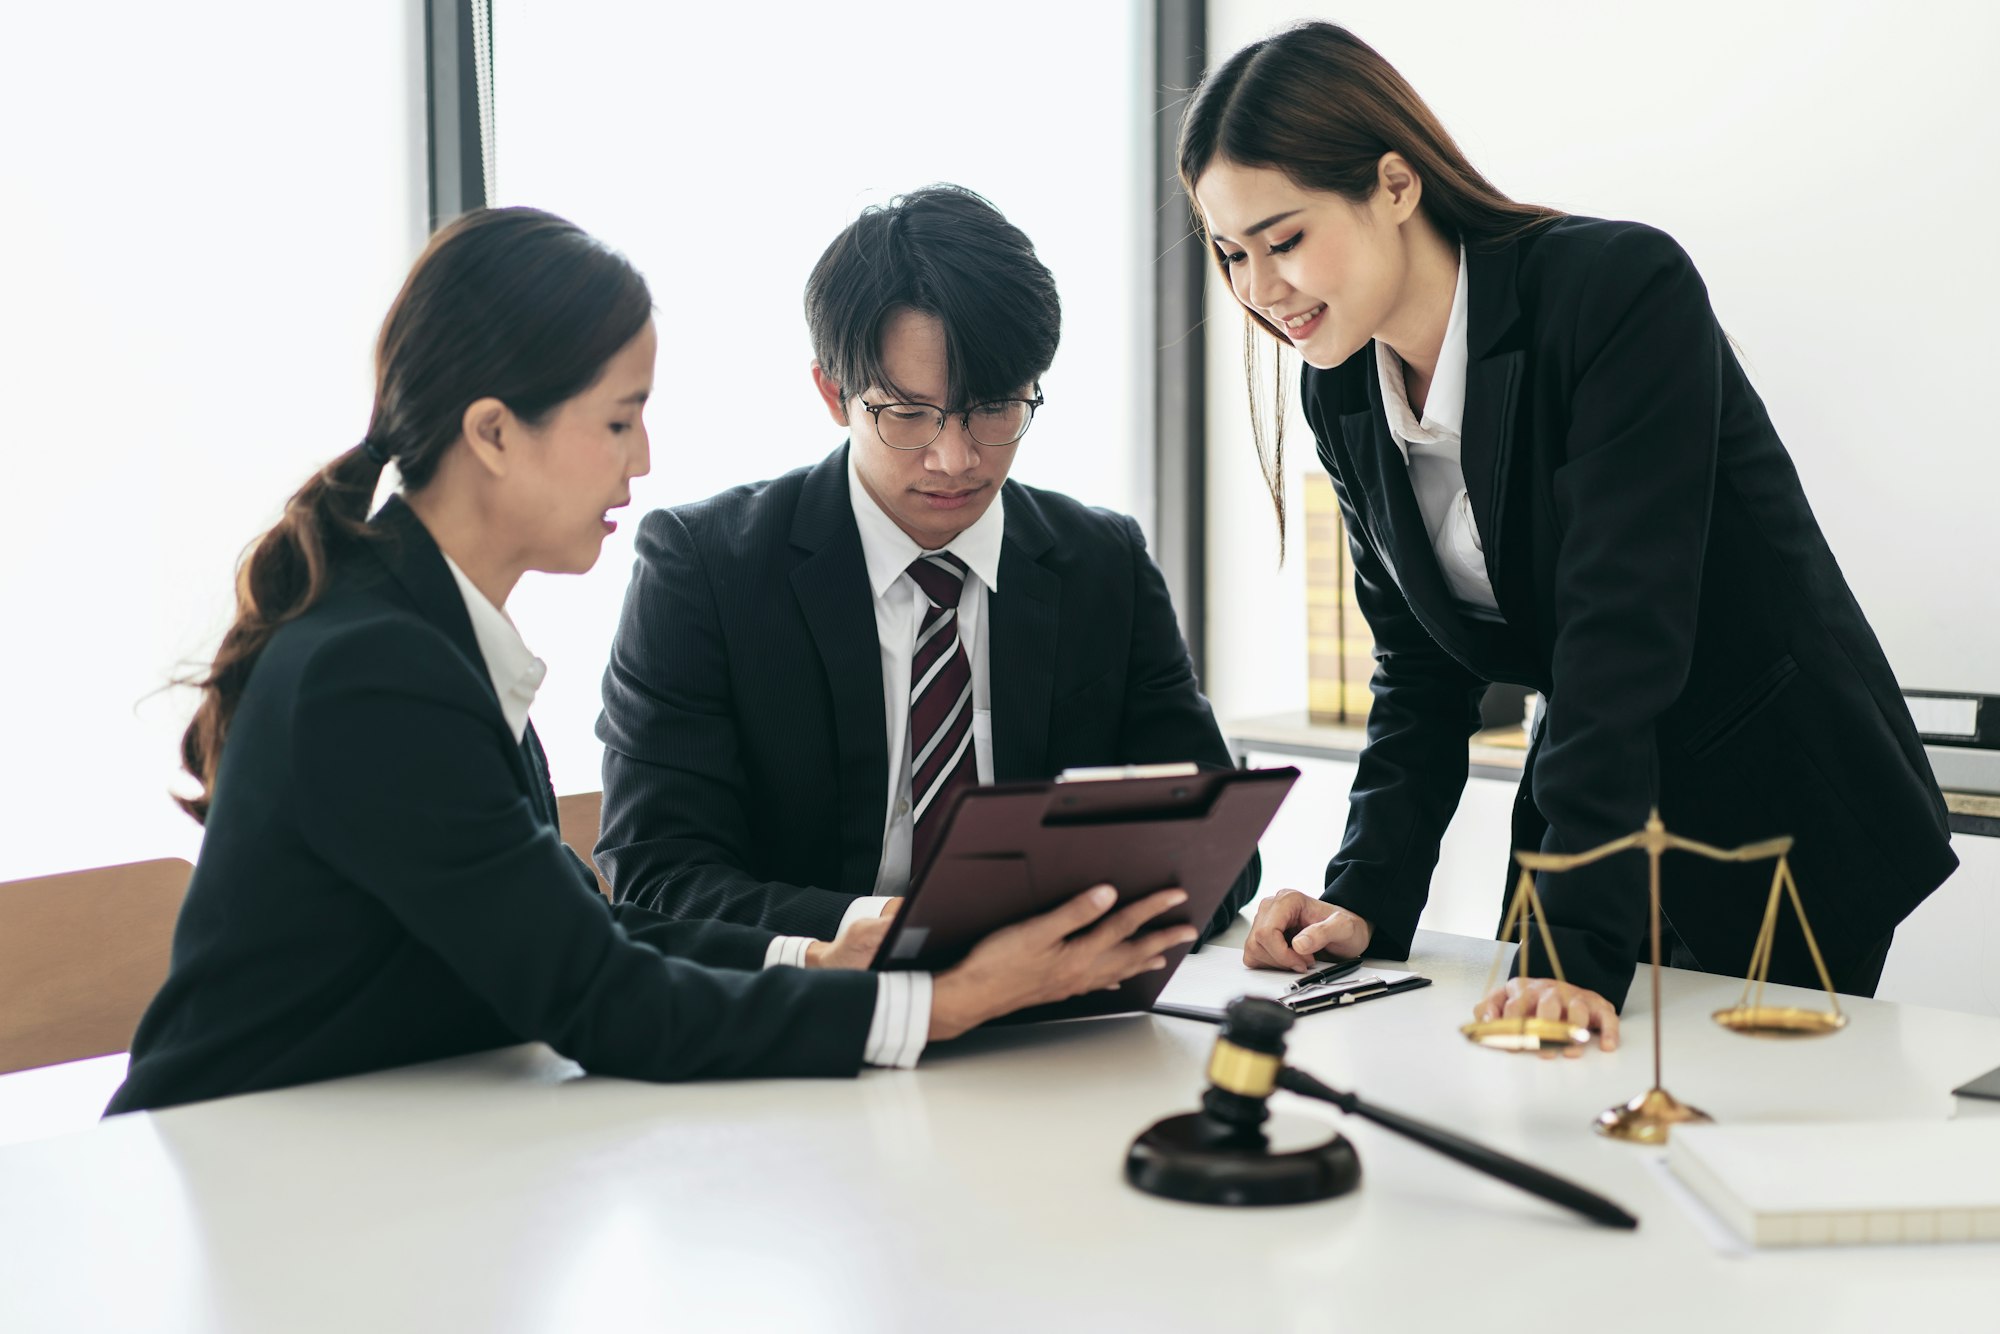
{"points": [[516, 673], [889, 550], [1444, 406]]}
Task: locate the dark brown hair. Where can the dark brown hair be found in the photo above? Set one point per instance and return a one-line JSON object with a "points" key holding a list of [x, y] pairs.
{"points": [[1317, 103], [946, 252], [514, 304]]}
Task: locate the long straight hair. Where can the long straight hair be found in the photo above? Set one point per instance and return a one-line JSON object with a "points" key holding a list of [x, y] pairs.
{"points": [[514, 304], [1319, 104]]}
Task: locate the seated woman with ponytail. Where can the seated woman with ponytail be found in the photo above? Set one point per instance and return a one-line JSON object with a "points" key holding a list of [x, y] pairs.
{"points": [[381, 880]]}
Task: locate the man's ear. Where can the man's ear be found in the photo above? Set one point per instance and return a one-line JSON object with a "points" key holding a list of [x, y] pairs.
{"points": [[831, 394], [488, 426]]}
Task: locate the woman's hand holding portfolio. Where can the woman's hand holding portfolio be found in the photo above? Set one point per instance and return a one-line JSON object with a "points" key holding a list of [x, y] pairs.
{"points": [[1055, 956]]}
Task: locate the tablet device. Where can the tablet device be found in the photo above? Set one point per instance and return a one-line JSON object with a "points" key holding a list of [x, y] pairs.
{"points": [[1012, 850]]}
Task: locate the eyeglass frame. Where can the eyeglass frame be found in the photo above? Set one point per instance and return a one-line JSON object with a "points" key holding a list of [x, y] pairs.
{"points": [[874, 411]]}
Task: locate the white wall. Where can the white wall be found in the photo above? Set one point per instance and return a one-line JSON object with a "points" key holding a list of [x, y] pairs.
{"points": [[1831, 168], [209, 207]]}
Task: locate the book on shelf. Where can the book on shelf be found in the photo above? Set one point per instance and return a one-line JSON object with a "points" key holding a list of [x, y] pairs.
{"points": [[1340, 650]]}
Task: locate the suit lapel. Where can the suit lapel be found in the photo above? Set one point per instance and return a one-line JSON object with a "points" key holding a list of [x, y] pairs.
{"points": [[413, 559], [538, 772], [831, 584], [1492, 388], [1021, 643], [1398, 535]]}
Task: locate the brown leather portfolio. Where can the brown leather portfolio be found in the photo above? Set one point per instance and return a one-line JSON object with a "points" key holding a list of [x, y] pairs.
{"points": [[1013, 850]]}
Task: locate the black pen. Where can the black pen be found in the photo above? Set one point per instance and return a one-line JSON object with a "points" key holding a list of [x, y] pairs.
{"points": [[1304, 1003], [1333, 972]]}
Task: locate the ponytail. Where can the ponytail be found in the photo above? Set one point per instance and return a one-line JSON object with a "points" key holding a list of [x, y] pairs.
{"points": [[285, 572]]}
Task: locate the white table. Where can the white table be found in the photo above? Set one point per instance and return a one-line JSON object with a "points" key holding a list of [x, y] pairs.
{"points": [[982, 1191]]}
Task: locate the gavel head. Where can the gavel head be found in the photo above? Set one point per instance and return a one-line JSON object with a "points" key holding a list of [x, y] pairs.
{"points": [[1243, 1069]]}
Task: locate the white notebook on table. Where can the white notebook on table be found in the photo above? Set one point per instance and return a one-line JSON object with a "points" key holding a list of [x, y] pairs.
{"points": [[1846, 1183]]}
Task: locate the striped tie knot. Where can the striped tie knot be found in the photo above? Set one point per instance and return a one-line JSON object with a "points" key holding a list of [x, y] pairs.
{"points": [[941, 576]]}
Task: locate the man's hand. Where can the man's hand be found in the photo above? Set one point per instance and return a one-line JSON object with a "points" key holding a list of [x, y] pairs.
{"points": [[892, 907], [1053, 957], [854, 947], [1290, 928], [1546, 998]]}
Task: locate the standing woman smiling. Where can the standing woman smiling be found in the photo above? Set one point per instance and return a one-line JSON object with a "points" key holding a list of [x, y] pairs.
{"points": [[1554, 472], [381, 880]]}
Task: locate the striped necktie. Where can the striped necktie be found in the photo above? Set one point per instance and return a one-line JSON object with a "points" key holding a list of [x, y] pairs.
{"points": [[940, 705]]}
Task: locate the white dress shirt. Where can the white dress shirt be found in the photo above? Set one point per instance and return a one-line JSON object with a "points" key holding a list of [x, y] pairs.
{"points": [[1430, 448], [899, 614], [515, 672], [901, 1023]]}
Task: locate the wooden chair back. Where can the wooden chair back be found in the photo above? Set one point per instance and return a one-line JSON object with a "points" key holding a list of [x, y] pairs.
{"points": [[578, 815], [81, 955]]}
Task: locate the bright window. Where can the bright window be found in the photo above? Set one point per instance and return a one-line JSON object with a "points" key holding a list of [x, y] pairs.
{"points": [[210, 205]]}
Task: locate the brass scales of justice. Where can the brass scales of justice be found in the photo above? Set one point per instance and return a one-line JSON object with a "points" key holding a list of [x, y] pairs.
{"points": [[1647, 1118]]}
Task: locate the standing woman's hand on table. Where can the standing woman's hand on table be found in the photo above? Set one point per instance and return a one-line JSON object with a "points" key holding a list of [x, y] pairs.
{"points": [[1546, 998], [1055, 956], [1290, 928]]}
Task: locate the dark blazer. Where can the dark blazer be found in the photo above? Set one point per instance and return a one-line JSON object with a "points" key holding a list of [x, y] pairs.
{"points": [[1665, 587], [746, 756], [382, 882]]}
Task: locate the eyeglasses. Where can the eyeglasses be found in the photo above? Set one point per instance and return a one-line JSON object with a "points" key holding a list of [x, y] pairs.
{"points": [[916, 425]]}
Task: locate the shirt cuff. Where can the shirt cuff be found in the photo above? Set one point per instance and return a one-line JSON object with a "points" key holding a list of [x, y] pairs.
{"points": [[868, 905], [902, 1021], [787, 952]]}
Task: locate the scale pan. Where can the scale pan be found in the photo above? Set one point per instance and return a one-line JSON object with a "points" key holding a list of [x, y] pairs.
{"points": [[1526, 1033], [1780, 1021]]}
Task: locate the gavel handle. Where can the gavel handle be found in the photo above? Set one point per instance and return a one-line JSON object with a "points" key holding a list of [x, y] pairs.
{"points": [[1476, 1156]]}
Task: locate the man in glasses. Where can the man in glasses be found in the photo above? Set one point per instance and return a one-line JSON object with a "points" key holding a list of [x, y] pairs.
{"points": [[808, 669]]}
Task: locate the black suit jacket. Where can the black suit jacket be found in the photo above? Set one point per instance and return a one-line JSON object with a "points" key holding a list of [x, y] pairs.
{"points": [[381, 882], [746, 754], [1666, 588]]}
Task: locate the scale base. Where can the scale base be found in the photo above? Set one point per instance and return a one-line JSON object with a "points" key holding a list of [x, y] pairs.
{"points": [[1647, 1118], [1191, 1157], [1780, 1021], [1526, 1033]]}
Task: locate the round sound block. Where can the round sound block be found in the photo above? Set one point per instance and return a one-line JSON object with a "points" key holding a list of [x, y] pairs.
{"points": [[1780, 1021], [1188, 1157]]}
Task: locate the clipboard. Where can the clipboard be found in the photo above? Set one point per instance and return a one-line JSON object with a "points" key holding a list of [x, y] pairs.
{"points": [[1203, 987], [1354, 991], [1011, 851]]}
